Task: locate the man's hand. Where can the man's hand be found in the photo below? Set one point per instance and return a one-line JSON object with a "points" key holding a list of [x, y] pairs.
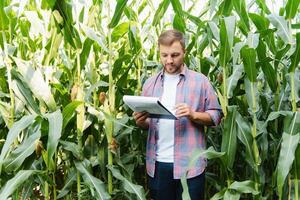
{"points": [[141, 119], [184, 110]]}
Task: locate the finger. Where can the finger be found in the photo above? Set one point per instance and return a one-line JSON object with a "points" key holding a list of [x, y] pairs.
{"points": [[141, 120], [142, 116], [181, 112], [179, 105], [138, 114]]}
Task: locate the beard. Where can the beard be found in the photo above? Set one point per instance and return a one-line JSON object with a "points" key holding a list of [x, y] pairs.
{"points": [[173, 68]]}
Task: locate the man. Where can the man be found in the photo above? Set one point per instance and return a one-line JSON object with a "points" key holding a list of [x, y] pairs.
{"points": [[171, 142]]}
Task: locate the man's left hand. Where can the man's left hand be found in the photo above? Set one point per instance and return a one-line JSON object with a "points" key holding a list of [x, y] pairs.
{"points": [[184, 110]]}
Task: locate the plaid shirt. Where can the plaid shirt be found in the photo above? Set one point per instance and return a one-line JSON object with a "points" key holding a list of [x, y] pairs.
{"points": [[195, 90]]}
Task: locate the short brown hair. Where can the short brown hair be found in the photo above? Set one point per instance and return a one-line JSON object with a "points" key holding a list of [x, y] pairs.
{"points": [[170, 36]]}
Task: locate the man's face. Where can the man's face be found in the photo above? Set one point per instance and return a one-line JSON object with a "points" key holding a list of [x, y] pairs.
{"points": [[172, 57]]}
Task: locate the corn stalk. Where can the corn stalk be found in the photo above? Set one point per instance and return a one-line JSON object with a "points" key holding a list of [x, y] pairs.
{"points": [[9, 79], [80, 116], [110, 104], [249, 58]]}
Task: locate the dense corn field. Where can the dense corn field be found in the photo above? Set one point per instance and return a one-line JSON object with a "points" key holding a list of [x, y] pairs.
{"points": [[66, 64]]}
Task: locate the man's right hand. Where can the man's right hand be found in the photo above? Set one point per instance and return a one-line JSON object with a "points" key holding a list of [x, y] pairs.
{"points": [[141, 119]]}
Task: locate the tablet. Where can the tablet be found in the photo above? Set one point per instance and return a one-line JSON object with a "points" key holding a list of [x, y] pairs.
{"points": [[152, 105]]}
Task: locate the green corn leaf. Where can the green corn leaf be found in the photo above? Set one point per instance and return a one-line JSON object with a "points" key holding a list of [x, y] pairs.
{"points": [[4, 113], [52, 47], [226, 8], [240, 7], [262, 25], [252, 95], [142, 6], [245, 136], [51, 3], [292, 123], [23, 91], [15, 183], [282, 27], [268, 70], [162, 8], [27, 192], [72, 147], [249, 57], [134, 40], [272, 116], [85, 52], [244, 187], [262, 5], [231, 195], [286, 157], [253, 40], [4, 21], [119, 64], [71, 180], [291, 8], [36, 82], [193, 19], [131, 14], [176, 4], [215, 30], [232, 81], [280, 54], [71, 35], [270, 75], [128, 185], [229, 137], [55, 127], [209, 153], [69, 111], [226, 39], [17, 157], [259, 21], [121, 4], [96, 186], [91, 34], [109, 118], [295, 58], [119, 31], [236, 52], [203, 43], [13, 133], [93, 87], [296, 26], [297, 162], [178, 23], [219, 195]]}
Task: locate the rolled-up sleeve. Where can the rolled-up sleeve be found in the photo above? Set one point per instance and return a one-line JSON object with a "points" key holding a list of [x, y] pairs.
{"points": [[212, 106]]}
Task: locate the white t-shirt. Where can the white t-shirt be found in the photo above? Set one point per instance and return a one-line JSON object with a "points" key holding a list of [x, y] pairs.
{"points": [[165, 142]]}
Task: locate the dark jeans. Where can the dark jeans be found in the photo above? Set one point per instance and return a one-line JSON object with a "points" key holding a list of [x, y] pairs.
{"points": [[164, 187]]}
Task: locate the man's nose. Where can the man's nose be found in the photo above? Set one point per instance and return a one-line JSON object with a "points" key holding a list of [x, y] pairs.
{"points": [[169, 59]]}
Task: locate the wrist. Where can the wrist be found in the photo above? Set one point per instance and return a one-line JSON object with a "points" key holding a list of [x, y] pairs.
{"points": [[193, 116]]}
